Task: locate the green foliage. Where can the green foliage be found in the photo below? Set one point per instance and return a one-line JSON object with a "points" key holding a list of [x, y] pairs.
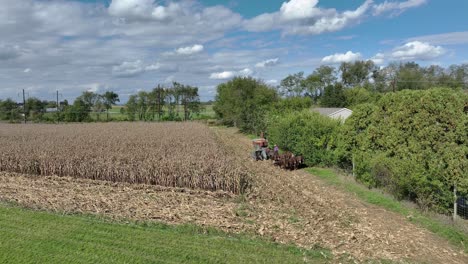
{"points": [[291, 104], [410, 77], [35, 108], [9, 110], [176, 99], [293, 85], [305, 133], [356, 73], [413, 143], [316, 82], [359, 95], [109, 98], [78, 112], [244, 102], [131, 108], [334, 96]]}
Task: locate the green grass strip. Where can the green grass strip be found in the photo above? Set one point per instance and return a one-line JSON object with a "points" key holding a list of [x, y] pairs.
{"points": [[28, 236], [451, 233]]}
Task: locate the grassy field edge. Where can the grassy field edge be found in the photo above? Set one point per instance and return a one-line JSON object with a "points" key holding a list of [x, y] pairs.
{"points": [[40, 236], [451, 233]]}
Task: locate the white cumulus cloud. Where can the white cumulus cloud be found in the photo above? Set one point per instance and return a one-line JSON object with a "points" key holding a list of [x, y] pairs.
{"points": [[142, 9], [267, 63], [190, 50], [230, 74], [299, 9], [417, 50], [341, 57], [303, 17], [378, 59], [222, 75], [131, 8]]}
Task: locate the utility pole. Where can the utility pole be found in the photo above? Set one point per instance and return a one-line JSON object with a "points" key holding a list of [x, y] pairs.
{"points": [[58, 104], [159, 103], [24, 107]]}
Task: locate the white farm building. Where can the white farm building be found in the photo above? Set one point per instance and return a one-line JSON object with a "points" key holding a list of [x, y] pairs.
{"points": [[335, 113]]}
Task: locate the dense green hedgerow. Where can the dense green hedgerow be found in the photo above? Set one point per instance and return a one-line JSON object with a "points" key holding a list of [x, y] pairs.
{"points": [[305, 133], [413, 143]]}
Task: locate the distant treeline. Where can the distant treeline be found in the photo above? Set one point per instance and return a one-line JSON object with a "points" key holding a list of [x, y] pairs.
{"points": [[176, 103]]}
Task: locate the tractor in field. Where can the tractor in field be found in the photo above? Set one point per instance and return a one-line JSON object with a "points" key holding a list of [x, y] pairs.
{"points": [[260, 148]]}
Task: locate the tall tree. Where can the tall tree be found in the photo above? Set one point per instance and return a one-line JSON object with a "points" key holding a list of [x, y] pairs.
{"points": [[78, 112], [178, 91], [459, 76], [334, 96], [190, 101], [294, 85], [159, 95], [316, 82], [410, 76], [142, 105], [356, 73], [35, 108], [110, 98], [131, 107], [9, 110], [244, 102]]}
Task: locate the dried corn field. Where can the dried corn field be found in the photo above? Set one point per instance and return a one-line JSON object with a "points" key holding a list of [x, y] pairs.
{"points": [[186, 155]]}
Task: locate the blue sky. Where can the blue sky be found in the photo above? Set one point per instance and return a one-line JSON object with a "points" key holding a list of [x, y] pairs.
{"points": [[132, 45]]}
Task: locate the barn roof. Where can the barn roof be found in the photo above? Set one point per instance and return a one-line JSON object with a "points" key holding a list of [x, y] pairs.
{"points": [[328, 111]]}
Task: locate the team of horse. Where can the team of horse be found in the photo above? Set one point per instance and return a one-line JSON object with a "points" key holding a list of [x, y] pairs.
{"points": [[286, 160]]}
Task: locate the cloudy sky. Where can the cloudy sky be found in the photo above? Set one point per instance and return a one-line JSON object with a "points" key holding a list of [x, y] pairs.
{"points": [[131, 45]]}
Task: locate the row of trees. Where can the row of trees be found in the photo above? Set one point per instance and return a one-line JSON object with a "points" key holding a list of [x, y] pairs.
{"points": [[178, 102], [328, 84], [164, 103], [90, 102], [34, 109]]}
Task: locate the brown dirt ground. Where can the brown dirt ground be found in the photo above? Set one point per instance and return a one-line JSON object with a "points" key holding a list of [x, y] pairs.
{"points": [[289, 207]]}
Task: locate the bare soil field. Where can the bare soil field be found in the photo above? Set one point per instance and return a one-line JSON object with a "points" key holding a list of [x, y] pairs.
{"points": [[288, 207]]}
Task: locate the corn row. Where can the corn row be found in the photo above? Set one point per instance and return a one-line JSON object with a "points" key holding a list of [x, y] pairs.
{"points": [[166, 154]]}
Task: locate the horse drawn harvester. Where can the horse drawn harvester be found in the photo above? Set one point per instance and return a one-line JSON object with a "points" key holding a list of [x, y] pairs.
{"points": [[286, 160]]}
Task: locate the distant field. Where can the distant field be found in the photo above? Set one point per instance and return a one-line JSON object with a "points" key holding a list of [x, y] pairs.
{"points": [[39, 237]]}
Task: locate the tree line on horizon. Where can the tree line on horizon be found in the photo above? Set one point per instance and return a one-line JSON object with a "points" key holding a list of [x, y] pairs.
{"points": [[329, 85], [176, 103]]}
